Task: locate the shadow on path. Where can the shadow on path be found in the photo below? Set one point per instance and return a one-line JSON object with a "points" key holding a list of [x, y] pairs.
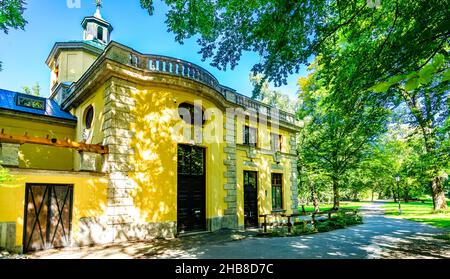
{"points": [[378, 237]]}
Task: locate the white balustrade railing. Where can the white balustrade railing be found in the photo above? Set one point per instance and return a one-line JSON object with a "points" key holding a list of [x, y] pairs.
{"points": [[177, 67]]}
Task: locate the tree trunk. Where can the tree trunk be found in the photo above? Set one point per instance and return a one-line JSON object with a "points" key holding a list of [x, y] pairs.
{"points": [[355, 196], [395, 196], [426, 124], [438, 194], [372, 194], [406, 195], [335, 193], [314, 197]]}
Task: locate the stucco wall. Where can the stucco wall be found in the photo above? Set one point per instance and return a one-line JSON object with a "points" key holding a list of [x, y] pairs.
{"points": [[89, 197], [32, 156]]}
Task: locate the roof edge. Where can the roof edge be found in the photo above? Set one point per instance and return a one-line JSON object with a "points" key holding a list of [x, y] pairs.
{"points": [[72, 45]]}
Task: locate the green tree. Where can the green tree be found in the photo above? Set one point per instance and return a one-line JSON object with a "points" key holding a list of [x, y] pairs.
{"points": [[35, 90], [11, 16], [396, 153], [274, 98], [383, 54], [385, 39], [425, 94], [336, 138], [398, 56]]}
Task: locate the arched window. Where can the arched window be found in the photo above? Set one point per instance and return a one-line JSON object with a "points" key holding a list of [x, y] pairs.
{"points": [[100, 33], [191, 114], [88, 117]]}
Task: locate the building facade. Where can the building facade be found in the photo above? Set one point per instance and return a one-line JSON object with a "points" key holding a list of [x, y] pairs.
{"points": [[137, 146]]}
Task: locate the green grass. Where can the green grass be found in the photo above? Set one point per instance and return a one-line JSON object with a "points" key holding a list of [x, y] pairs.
{"points": [[420, 212], [343, 205]]}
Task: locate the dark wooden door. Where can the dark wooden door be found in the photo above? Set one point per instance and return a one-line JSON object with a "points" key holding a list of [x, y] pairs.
{"points": [[191, 194], [48, 216], [250, 199]]}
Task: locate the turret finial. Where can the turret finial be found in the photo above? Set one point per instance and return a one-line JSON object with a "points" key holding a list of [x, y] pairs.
{"points": [[98, 3]]}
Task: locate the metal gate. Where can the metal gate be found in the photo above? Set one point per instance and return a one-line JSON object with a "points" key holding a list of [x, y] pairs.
{"points": [[191, 190], [48, 216]]}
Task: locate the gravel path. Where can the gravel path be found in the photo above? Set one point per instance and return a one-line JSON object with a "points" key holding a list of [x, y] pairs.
{"points": [[378, 237]]}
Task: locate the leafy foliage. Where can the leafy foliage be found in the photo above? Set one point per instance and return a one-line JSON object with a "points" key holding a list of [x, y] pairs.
{"points": [[273, 98], [11, 16], [372, 43], [339, 222], [35, 90], [5, 176], [334, 139]]}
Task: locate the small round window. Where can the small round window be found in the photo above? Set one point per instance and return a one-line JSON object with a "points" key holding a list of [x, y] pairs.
{"points": [[191, 114], [88, 117]]}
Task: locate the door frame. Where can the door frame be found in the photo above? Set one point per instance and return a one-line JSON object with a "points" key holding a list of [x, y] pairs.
{"points": [[25, 215], [257, 195], [205, 202]]}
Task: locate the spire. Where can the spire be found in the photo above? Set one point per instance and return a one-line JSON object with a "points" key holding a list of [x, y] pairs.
{"points": [[97, 14], [96, 28]]}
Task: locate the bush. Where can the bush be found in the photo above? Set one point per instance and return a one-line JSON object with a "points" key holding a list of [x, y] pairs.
{"points": [[278, 232], [339, 222], [303, 228], [353, 220], [324, 226]]}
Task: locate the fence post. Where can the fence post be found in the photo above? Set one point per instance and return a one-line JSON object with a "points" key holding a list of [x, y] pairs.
{"points": [[265, 223], [289, 224]]}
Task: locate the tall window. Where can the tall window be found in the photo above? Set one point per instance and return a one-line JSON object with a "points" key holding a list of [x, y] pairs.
{"points": [[277, 191], [100, 33], [275, 142], [250, 136]]}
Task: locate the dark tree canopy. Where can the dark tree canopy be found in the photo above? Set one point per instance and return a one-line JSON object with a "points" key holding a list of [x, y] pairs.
{"points": [[11, 16], [286, 33]]}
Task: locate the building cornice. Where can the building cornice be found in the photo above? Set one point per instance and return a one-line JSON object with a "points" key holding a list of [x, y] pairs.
{"points": [[57, 47], [125, 63]]}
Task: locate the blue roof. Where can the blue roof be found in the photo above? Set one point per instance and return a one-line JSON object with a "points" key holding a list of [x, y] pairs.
{"points": [[52, 109]]}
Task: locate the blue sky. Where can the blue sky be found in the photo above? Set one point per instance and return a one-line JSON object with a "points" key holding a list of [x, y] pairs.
{"points": [[23, 53]]}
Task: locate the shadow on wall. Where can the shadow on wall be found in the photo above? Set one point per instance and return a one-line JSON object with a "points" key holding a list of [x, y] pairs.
{"points": [[89, 210], [155, 157]]}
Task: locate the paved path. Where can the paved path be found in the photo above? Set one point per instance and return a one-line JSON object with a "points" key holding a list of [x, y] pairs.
{"points": [[378, 237]]}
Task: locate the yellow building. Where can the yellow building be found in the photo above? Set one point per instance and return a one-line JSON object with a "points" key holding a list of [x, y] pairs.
{"points": [[137, 146]]}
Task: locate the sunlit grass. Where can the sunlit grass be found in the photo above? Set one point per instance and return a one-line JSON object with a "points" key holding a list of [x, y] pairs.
{"points": [[420, 212], [343, 205]]}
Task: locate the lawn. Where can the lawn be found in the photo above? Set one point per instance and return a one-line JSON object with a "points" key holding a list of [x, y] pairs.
{"points": [[343, 205], [420, 212]]}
